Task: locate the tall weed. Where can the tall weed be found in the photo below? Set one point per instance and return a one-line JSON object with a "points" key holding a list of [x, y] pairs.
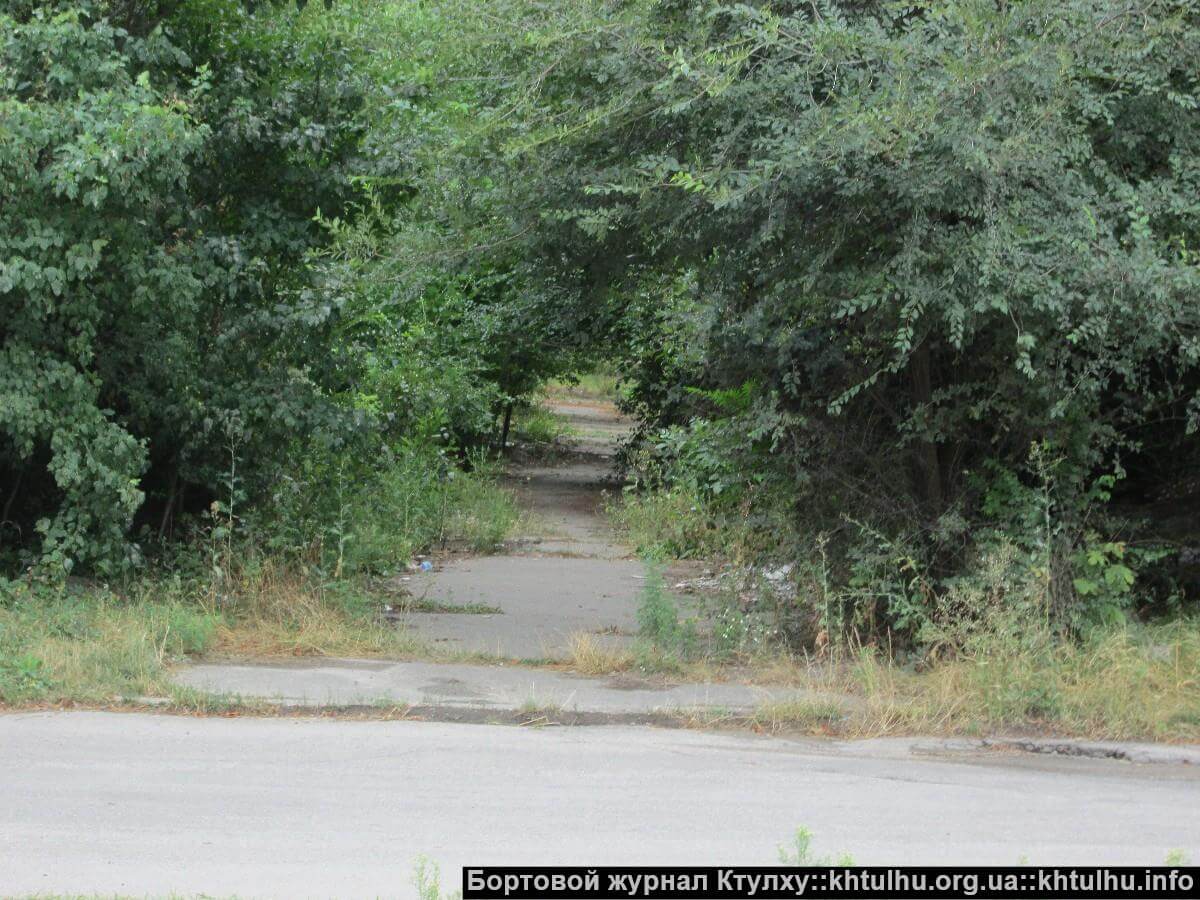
{"points": [[671, 524], [665, 640]]}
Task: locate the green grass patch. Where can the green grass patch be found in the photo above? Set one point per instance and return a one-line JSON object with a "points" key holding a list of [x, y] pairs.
{"points": [[798, 715], [598, 385], [422, 605], [93, 646], [382, 523], [534, 424], [669, 524], [661, 630], [481, 514], [97, 644]]}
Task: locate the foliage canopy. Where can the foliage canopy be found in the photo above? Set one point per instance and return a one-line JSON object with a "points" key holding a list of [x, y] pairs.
{"points": [[915, 280]]}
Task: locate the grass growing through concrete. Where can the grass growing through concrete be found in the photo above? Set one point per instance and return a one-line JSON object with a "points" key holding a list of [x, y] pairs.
{"points": [[825, 716], [666, 642], [535, 713], [427, 879], [424, 605], [813, 716], [664, 638], [799, 853], [590, 656]]}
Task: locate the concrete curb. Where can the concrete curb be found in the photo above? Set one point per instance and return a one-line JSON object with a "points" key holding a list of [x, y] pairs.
{"points": [[496, 688], [478, 693]]}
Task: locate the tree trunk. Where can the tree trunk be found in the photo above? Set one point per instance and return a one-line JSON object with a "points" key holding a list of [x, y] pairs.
{"points": [[8, 504], [508, 411], [168, 510], [928, 461]]}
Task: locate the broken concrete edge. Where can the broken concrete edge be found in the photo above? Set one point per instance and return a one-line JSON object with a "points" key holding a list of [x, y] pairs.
{"points": [[1130, 752], [1188, 755], [702, 718], [233, 706]]}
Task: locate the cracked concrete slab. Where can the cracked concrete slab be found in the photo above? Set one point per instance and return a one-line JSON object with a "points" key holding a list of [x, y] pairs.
{"points": [[346, 682], [1180, 754], [543, 601], [570, 573]]}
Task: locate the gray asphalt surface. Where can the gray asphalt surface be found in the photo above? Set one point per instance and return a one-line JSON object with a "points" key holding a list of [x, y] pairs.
{"points": [[147, 804]]}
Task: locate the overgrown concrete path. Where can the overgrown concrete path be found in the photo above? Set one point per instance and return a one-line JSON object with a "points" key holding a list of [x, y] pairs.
{"points": [[568, 574]]}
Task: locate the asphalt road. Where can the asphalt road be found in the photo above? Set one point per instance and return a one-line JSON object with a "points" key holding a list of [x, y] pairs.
{"points": [[151, 804]]}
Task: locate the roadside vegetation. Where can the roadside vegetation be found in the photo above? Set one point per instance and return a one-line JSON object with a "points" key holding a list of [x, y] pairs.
{"points": [[1012, 675], [902, 299], [224, 427]]}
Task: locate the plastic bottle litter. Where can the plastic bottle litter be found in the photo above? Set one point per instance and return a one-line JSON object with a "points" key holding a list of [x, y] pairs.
{"points": [[426, 565]]}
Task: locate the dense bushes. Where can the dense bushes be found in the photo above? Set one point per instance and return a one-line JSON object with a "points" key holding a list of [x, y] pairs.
{"points": [[161, 165], [898, 290], [925, 270], [208, 286]]}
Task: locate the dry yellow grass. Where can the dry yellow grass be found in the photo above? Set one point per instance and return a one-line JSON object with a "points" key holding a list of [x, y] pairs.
{"points": [[269, 609], [589, 656], [321, 636], [823, 716], [93, 645], [1135, 682], [1121, 683]]}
